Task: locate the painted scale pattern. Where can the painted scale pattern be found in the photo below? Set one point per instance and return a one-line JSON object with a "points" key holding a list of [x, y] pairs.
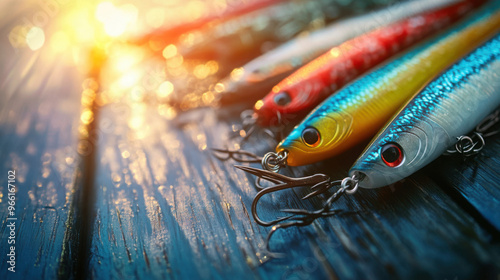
{"points": [[315, 81], [443, 88], [358, 111], [443, 100]]}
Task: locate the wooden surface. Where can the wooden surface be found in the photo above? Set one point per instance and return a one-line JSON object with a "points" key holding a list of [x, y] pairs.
{"points": [[148, 200], [39, 116]]}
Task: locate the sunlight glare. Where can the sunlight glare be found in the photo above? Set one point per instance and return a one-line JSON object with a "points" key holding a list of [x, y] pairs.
{"points": [[116, 19], [35, 38]]}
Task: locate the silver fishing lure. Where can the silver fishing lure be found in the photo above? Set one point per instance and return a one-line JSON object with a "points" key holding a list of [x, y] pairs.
{"points": [[449, 107]]}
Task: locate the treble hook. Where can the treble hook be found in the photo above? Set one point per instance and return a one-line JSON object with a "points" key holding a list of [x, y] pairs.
{"points": [[249, 123], [237, 155], [488, 123], [319, 183], [282, 182], [467, 146], [297, 221], [278, 128], [470, 145], [348, 185], [249, 126]]}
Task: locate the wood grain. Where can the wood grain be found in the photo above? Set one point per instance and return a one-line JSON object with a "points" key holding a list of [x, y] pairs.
{"points": [[39, 116], [475, 182], [167, 209]]}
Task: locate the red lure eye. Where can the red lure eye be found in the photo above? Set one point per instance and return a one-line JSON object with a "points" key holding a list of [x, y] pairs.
{"points": [[392, 154]]}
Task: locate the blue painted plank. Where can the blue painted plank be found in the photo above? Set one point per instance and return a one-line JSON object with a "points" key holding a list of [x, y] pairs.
{"points": [[39, 116], [475, 180]]}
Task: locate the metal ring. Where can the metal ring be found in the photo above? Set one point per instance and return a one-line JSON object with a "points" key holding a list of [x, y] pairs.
{"points": [[247, 114], [467, 146], [248, 118], [282, 157], [464, 145], [347, 182], [274, 161], [480, 142], [268, 165]]}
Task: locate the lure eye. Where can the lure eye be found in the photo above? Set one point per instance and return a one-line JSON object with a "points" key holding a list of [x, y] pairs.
{"points": [[282, 98], [311, 136], [392, 154]]}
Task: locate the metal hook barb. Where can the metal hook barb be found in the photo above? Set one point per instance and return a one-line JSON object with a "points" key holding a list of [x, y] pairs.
{"points": [[298, 221], [281, 182], [348, 185]]}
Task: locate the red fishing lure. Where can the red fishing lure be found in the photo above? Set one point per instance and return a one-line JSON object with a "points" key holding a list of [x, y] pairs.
{"points": [[171, 34], [308, 86]]}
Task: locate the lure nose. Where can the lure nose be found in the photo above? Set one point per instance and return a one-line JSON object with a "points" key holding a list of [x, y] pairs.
{"points": [[295, 154], [269, 109], [266, 115]]}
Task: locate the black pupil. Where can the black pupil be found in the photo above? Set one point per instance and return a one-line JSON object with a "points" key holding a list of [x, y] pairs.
{"points": [[310, 136], [391, 154], [282, 98]]}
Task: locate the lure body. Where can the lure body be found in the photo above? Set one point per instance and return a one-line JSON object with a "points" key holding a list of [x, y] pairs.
{"points": [[450, 106], [171, 34], [358, 111], [307, 87], [262, 73], [244, 36]]}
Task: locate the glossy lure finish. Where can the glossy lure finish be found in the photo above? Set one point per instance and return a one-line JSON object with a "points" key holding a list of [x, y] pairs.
{"points": [[307, 87], [170, 35], [265, 71], [361, 109], [451, 106], [244, 36]]}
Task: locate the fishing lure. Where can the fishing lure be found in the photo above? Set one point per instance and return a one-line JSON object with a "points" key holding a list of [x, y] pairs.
{"points": [[171, 34], [261, 74], [361, 109], [304, 89], [243, 37], [450, 106]]}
